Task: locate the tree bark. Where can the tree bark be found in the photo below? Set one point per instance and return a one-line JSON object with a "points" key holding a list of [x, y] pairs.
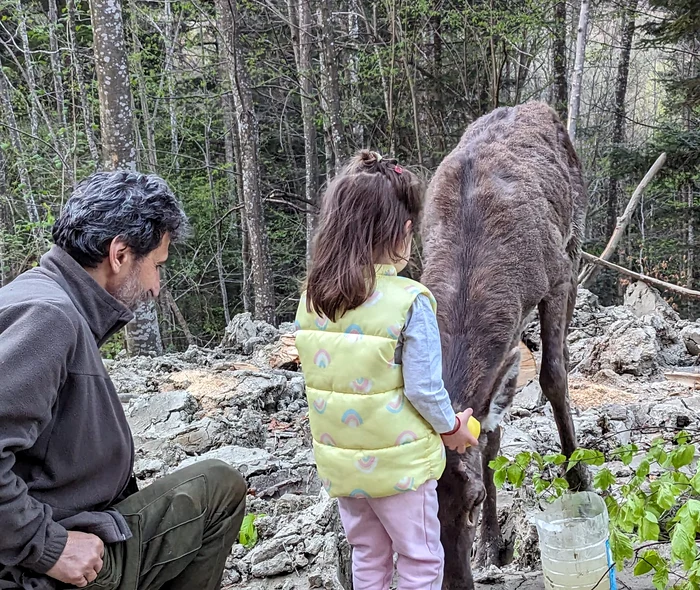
{"points": [[85, 109], [623, 67], [118, 148], [330, 95], [55, 58], [247, 124], [116, 118], [16, 141], [304, 40], [358, 131], [559, 60], [218, 254], [575, 98]]}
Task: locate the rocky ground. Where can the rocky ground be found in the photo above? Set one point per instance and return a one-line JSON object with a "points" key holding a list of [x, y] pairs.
{"points": [[243, 402]]}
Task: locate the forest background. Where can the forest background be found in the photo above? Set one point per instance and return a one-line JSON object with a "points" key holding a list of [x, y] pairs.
{"points": [[249, 108]]}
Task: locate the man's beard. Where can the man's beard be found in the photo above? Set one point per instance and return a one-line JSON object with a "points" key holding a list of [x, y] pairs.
{"points": [[130, 292]]}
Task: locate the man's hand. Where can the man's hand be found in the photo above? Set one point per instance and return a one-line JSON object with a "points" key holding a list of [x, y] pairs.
{"points": [[80, 561]]}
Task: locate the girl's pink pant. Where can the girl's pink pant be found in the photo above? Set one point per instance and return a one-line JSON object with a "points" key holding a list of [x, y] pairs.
{"points": [[406, 524]]}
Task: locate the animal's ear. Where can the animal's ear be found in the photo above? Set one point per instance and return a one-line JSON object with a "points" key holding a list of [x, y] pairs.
{"points": [[502, 394]]}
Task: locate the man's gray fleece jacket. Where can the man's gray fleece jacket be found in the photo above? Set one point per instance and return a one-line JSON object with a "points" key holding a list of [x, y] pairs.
{"points": [[66, 451]]}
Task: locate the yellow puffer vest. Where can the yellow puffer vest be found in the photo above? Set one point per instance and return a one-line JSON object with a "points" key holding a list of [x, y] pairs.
{"points": [[369, 441]]}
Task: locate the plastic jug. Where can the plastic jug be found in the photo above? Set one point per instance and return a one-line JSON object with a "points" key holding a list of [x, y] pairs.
{"points": [[574, 544]]}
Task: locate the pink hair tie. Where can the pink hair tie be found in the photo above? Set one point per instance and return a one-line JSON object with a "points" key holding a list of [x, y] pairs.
{"points": [[398, 169]]}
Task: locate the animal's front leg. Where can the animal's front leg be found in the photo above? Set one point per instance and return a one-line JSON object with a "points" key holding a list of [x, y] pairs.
{"points": [[554, 380], [459, 497], [490, 547]]}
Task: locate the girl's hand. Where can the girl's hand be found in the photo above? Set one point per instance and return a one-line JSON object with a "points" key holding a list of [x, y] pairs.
{"points": [[461, 438]]}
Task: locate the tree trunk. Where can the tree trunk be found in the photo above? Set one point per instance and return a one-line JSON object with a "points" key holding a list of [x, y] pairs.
{"points": [[151, 155], [85, 109], [246, 294], [116, 118], [247, 124], [330, 96], [218, 254], [358, 131], [623, 67], [559, 59], [304, 41], [118, 148], [16, 141], [170, 39], [55, 58], [575, 98], [690, 252]]}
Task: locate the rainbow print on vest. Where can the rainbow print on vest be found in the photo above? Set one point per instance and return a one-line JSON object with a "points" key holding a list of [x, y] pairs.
{"points": [[369, 441]]}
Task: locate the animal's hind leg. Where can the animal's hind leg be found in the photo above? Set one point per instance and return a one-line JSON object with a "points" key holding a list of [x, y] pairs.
{"points": [[490, 549], [554, 318]]}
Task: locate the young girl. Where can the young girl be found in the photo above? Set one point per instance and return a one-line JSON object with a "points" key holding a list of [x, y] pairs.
{"points": [[370, 351]]}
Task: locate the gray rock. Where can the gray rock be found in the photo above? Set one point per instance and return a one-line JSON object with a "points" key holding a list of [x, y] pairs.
{"points": [[644, 300], [279, 564], [243, 334], [248, 461], [691, 338], [161, 415], [529, 397]]}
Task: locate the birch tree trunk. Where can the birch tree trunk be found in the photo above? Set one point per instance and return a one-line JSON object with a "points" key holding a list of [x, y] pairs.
{"points": [[118, 148], [247, 124], [575, 97]]}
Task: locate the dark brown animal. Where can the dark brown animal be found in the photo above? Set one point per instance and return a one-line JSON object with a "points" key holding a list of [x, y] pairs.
{"points": [[502, 233]]}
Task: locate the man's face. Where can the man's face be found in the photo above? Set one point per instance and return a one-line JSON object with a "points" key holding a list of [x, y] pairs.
{"points": [[141, 280]]}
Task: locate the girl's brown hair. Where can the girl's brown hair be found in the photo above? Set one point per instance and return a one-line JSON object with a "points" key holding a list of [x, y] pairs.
{"points": [[363, 217]]}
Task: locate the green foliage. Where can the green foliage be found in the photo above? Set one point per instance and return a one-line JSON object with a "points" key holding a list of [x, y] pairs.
{"points": [[248, 536], [658, 504]]}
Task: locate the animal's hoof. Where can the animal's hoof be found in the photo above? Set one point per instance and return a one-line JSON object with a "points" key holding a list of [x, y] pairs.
{"points": [[490, 553]]}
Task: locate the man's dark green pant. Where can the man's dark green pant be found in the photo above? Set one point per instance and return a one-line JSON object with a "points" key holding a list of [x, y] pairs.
{"points": [[183, 525]]}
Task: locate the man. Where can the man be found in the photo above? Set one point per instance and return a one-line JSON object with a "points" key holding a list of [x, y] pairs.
{"points": [[70, 512]]}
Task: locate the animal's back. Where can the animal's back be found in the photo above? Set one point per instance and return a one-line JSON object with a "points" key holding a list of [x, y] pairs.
{"points": [[505, 213]]}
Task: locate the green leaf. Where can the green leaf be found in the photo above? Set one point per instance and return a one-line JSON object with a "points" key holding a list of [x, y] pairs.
{"points": [[516, 475], [541, 485], [523, 460], [665, 497], [695, 482], [649, 527], [643, 469], [650, 560], [604, 479], [682, 456], [621, 547], [538, 459], [555, 459], [248, 535], [682, 438], [660, 579], [627, 453], [683, 542], [499, 463], [499, 477]]}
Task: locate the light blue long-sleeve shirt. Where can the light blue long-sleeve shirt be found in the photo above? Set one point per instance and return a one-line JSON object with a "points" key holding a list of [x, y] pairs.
{"points": [[420, 354]]}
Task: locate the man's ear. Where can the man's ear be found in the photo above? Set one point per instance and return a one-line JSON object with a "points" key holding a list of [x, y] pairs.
{"points": [[119, 254]]}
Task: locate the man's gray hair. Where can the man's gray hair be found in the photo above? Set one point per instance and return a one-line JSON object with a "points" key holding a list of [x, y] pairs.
{"points": [[138, 208]]}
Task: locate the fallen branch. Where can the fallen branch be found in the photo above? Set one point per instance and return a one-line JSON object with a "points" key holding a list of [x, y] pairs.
{"points": [[589, 273], [640, 277]]}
